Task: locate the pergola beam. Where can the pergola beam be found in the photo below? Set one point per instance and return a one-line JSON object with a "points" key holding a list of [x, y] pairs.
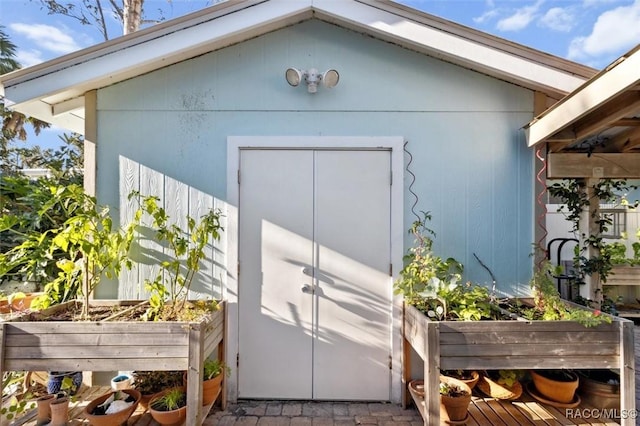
{"points": [[598, 165]]}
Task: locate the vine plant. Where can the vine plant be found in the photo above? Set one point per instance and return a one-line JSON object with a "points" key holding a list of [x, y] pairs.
{"points": [[573, 193]]}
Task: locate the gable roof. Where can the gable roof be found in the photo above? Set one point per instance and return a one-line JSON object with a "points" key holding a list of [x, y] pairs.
{"points": [[53, 91]]}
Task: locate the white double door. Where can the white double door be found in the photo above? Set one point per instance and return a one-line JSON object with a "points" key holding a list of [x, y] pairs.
{"points": [[314, 287]]}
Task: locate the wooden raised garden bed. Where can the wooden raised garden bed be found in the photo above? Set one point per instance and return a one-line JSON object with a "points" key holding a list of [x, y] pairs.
{"points": [[117, 345], [517, 344]]}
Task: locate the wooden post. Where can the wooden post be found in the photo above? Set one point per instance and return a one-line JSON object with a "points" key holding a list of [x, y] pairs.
{"points": [[221, 356], [194, 375], [406, 372], [405, 398], [2, 325], [592, 289], [627, 374], [432, 374]]}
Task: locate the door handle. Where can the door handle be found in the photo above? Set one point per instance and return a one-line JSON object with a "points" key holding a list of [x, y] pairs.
{"points": [[306, 288]]}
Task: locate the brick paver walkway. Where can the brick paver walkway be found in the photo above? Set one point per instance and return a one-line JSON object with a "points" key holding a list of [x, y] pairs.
{"points": [[290, 413]]}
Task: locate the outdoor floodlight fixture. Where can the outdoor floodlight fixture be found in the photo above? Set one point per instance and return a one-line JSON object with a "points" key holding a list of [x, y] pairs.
{"points": [[312, 77]]}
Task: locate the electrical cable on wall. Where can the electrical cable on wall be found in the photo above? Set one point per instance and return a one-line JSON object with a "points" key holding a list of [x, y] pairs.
{"points": [[541, 202], [413, 179]]}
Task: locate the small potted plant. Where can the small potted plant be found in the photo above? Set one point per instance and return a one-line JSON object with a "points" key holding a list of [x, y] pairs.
{"points": [[469, 377], [214, 371], [455, 397], [169, 408], [600, 388], [113, 408], [150, 383], [555, 385]]}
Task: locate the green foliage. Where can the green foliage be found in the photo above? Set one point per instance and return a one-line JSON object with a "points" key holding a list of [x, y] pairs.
{"points": [[85, 247], [171, 400], [549, 306], [186, 248], [452, 390], [574, 195], [508, 378], [422, 267], [30, 207], [617, 253], [150, 382], [432, 284], [213, 368], [17, 403]]}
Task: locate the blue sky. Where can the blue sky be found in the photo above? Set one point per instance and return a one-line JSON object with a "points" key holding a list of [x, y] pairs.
{"points": [[591, 32]]}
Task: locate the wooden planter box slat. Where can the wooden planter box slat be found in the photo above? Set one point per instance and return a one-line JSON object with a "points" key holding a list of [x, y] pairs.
{"points": [[78, 339], [113, 364], [542, 337], [624, 275], [109, 346], [95, 352], [526, 363], [521, 349], [517, 345]]}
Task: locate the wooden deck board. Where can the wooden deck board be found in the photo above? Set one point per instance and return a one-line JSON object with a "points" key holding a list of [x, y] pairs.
{"points": [[486, 411]]}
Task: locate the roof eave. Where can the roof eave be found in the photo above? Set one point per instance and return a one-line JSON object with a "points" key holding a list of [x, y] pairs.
{"points": [[213, 28], [614, 80]]}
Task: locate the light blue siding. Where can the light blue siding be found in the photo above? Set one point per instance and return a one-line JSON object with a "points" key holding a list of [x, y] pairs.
{"points": [[474, 172]]}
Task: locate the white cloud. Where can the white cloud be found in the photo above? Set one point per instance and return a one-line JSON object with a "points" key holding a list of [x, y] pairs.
{"points": [[26, 58], [614, 32], [558, 19], [47, 37], [591, 3], [485, 16], [520, 19]]}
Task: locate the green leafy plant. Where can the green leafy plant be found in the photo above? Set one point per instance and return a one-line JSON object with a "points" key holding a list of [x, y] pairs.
{"points": [[18, 402], [548, 305], [186, 250], [422, 267], [452, 390], [86, 246], [573, 193], [150, 382], [213, 368], [508, 378], [171, 400]]}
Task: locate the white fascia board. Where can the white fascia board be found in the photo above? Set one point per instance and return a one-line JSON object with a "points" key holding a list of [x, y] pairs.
{"points": [[72, 120], [592, 95], [169, 48], [448, 46]]}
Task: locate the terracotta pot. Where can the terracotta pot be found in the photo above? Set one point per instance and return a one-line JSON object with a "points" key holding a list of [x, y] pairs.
{"points": [[44, 409], [475, 376], [496, 390], [555, 390], [59, 412], [112, 419], [210, 388], [167, 418], [456, 407], [144, 399]]}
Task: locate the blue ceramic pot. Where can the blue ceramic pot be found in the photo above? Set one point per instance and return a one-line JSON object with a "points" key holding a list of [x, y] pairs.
{"points": [[54, 384]]}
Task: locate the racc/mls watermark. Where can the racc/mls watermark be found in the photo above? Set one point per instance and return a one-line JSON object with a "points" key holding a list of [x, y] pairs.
{"points": [[595, 413]]}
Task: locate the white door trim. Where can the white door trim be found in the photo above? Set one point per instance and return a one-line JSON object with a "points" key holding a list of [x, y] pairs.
{"points": [[230, 293]]}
